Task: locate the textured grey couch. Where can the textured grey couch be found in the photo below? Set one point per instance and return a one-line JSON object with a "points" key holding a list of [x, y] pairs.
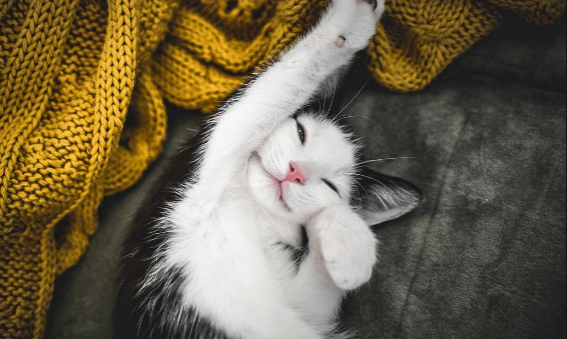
{"points": [[482, 257]]}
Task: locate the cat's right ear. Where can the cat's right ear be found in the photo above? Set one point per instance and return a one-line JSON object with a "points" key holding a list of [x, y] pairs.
{"points": [[382, 197]]}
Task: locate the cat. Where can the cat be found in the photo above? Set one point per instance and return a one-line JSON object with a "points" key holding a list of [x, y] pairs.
{"points": [[264, 234]]}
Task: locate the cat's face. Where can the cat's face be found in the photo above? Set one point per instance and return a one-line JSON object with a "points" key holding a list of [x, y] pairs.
{"points": [[305, 165]]}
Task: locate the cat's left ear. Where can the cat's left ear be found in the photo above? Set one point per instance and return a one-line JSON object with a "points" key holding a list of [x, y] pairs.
{"points": [[381, 197]]}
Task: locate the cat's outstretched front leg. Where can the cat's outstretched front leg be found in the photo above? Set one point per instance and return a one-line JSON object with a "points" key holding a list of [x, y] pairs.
{"points": [[284, 87]]}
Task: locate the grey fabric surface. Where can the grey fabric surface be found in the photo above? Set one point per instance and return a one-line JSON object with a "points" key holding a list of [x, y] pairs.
{"points": [[482, 257]]}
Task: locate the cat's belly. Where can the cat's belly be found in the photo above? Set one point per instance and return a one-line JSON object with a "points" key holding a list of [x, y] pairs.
{"points": [[229, 277]]}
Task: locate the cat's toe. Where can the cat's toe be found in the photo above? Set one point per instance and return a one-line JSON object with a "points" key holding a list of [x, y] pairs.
{"points": [[374, 3], [377, 5], [356, 21], [349, 278]]}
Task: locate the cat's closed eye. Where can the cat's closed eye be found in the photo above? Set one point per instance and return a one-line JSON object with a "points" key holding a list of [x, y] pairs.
{"points": [[301, 132], [331, 186]]}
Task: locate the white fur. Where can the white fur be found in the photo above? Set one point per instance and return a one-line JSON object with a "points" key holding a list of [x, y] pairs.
{"points": [[229, 221]]}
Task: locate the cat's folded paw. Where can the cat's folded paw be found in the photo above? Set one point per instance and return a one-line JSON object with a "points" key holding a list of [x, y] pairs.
{"points": [[354, 21], [348, 246]]}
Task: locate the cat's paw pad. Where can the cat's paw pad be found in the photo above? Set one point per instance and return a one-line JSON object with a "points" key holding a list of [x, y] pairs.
{"points": [[348, 248]]}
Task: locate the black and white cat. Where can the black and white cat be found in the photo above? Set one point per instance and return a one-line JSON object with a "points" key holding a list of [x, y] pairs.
{"points": [[263, 238]]}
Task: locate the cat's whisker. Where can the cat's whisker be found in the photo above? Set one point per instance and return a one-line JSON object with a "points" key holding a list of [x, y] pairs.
{"points": [[352, 100], [372, 179], [328, 112], [361, 116], [382, 160]]}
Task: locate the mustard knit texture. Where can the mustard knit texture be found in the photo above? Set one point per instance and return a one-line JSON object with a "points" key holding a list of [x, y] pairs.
{"points": [[82, 113]]}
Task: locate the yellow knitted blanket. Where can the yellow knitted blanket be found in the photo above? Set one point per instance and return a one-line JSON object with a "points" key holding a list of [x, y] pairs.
{"points": [[82, 85]]}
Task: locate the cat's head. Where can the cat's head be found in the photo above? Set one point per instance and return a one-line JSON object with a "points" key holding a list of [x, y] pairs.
{"points": [[309, 163]]}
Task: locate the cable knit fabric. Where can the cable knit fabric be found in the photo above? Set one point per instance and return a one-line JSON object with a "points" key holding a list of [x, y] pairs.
{"points": [[82, 88]]}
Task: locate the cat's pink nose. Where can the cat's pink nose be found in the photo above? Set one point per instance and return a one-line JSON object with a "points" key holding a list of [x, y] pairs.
{"points": [[296, 173]]}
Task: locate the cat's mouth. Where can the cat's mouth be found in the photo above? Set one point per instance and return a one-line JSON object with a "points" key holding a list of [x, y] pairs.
{"points": [[275, 181]]}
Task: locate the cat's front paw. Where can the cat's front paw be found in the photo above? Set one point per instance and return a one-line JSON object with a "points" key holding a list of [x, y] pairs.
{"points": [[348, 246], [355, 21]]}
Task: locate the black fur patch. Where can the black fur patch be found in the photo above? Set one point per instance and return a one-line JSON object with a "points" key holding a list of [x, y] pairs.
{"points": [[157, 311], [298, 254]]}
